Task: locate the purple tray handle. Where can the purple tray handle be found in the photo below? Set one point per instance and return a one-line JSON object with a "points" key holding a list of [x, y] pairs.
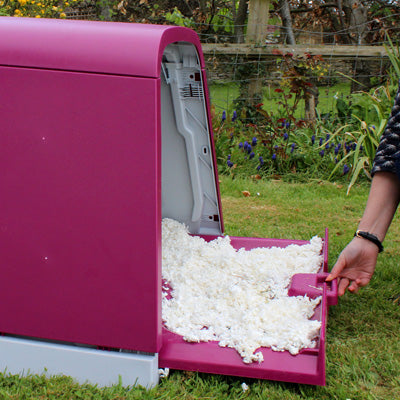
{"points": [[313, 285]]}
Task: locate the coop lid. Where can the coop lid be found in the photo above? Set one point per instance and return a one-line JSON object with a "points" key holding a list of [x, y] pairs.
{"points": [[88, 46]]}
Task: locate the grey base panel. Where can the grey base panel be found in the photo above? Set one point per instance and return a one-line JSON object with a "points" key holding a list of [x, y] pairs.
{"points": [[104, 368]]}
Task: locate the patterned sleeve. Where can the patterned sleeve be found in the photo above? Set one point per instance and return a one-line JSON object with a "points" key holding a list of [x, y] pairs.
{"points": [[387, 157]]}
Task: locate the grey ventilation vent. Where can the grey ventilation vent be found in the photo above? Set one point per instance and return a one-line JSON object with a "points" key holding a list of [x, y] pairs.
{"points": [[193, 91]]}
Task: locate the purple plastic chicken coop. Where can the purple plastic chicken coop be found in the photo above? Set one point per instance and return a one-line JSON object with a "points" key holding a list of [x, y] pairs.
{"points": [[105, 129]]}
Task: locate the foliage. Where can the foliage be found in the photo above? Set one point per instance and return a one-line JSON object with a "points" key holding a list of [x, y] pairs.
{"points": [[330, 149], [346, 141], [142, 11], [337, 21], [177, 18], [36, 8], [393, 52], [214, 18], [221, 20], [369, 115], [299, 76], [360, 145], [274, 147], [366, 117], [256, 142]]}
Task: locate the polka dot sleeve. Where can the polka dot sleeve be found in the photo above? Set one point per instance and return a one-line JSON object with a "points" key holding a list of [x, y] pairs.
{"points": [[387, 156]]}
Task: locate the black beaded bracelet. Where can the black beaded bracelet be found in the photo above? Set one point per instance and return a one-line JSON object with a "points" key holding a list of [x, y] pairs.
{"points": [[372, 238]]}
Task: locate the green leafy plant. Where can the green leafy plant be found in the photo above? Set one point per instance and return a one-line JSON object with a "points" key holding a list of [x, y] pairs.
{"points": [[220, 19], [359, 155], [299, 76], [272, 147], [393, 52], [177, 18], [366, 115], [369, 113], [4, 12]]}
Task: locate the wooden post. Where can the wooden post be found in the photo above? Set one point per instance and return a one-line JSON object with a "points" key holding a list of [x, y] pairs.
{"points": [[258, 21], [256, 33], [309, 108], [310, 104]]}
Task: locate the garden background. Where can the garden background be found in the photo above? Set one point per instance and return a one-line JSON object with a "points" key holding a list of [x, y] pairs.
{"points": [[300, 95], [299, 90]]}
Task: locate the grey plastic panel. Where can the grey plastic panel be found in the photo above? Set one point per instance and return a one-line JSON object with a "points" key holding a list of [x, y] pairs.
{"points": [[104, 368], [189, 192]]}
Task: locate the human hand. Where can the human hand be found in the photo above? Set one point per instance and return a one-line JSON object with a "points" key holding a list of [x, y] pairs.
{"points": [[355, 266]]}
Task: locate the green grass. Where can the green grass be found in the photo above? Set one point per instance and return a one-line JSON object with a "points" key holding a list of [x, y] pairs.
{"points": [[223, 94], [363, 345]]}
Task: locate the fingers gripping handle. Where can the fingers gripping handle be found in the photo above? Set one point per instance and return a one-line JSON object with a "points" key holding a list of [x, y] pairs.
{"points": [[331, 288]]}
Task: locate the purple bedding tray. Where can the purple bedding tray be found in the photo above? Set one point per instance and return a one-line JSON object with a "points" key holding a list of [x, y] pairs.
{"points": [[307, 367]]}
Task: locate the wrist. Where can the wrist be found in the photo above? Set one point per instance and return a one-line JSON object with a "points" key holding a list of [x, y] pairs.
{"points": [[370, 237]]}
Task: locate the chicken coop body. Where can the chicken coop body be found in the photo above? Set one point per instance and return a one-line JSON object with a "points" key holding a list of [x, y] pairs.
{"points": [[106, 130]]}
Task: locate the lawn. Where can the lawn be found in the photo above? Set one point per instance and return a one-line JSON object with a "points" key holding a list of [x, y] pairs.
{"points": [[363, 343], [223, 94]]}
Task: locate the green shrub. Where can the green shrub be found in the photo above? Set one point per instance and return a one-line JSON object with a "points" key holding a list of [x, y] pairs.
{"points": [[277, 147]]}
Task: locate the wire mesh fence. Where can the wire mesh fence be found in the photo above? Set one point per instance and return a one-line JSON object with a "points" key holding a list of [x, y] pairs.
{"points": [[252, 77], [231, 77], [241, 71]]}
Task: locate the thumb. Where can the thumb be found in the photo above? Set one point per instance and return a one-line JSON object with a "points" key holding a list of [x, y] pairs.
{"points": [[337, 268]]}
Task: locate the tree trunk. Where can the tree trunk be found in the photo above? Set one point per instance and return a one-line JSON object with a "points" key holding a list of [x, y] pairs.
{"points": [[203, 6], [356, 18], [240, 19], [284, 12]]}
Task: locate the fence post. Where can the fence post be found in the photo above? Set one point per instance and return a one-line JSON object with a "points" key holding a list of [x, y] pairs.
{"points": [[256, 32], [258, 21]]}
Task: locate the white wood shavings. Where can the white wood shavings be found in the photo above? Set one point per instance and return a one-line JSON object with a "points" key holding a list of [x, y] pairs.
{"points": [[238, 298]]}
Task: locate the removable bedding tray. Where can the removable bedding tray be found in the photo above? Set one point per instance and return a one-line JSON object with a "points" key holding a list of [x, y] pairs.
{"points": [[306, 367]]}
